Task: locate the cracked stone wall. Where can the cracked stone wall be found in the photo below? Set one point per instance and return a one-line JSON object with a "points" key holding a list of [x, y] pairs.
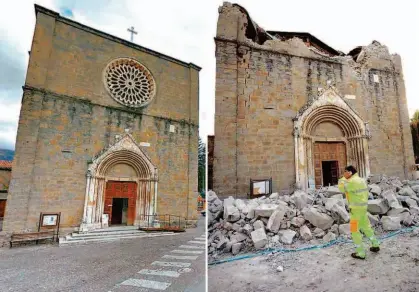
{"points": [[67, 117], [260, 89]]}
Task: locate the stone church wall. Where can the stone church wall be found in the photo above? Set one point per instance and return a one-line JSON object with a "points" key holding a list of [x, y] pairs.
{"points": [[260, 89], [67, 118]]}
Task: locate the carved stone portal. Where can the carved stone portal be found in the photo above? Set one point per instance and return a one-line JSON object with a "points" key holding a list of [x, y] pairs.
{"points": [[141, 170], [329, 107]]}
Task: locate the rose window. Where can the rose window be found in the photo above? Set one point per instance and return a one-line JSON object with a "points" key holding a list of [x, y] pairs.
{"points": [[129, 82]]}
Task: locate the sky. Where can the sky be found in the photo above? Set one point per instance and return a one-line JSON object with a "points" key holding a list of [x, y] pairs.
{"points": [[185, 29]]}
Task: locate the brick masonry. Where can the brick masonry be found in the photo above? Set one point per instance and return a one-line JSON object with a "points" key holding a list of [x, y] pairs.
{"points": [[67, 118], [261, 88]]}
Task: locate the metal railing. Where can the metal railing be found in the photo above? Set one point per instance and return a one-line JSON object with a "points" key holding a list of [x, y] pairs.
{"points": [[165, 222]]}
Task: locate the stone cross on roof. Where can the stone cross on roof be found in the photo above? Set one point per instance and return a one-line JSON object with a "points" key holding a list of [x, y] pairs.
{"points": [[132, 31]]}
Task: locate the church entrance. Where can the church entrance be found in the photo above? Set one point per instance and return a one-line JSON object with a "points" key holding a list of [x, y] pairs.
{"points": [[120, 202], [329, 162]]}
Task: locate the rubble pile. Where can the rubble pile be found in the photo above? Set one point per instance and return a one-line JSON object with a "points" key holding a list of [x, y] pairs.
{"points": [[312, 217]]}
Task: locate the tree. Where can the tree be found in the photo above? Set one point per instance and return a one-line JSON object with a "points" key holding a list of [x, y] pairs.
{"points": [[201, 165], [414, 127]]}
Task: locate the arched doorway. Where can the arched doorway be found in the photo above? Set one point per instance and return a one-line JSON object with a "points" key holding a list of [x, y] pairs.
{"points": [[121, 184], [329, 135]]}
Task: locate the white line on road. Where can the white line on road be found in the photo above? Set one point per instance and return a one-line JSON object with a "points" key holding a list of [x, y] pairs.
{"points": [[172, 274], [180, 257], [146, 284], [199, 242], [171, 264], [188, 251], [192, 246], [198, 238]]}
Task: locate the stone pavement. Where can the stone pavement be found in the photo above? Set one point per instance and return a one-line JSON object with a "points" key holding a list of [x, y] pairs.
{"points": [[168, 263]]}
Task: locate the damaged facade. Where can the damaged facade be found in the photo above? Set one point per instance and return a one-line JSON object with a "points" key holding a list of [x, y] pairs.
{"points": [[107, 127], [291, 108]]}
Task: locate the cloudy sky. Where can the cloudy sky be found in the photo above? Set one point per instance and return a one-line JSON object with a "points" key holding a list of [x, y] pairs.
{"points": [[185, 30]]}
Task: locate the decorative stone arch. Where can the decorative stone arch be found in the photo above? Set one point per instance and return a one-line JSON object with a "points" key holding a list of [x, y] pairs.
{"points": [[127, 152], [329, 107]]}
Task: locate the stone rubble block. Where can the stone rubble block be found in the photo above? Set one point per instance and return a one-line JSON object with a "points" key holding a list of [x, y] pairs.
{"points": [[378, 206], [330, 202], [341, 213], [332, 190], [344, 229], [375, 189], [320, 220], [301, 199], [391, 223], [231, 214], [329, 237], [286, 236], [411, 202], [305, 233], [259, 238], [374, 220], [275, 220], [265, 210], [297, 221], [318, 233], [211, 196], [391, 198], [407, 191], [235, 249], [415, 188], [258, 224], [397, 211]]}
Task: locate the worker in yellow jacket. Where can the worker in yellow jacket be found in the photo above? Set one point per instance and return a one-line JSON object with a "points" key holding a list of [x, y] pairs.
{"points": [[356, 191]]}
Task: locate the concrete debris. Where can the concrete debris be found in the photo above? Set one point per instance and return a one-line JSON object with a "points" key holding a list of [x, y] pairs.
{"points": [[237, 226], [280, 269]]}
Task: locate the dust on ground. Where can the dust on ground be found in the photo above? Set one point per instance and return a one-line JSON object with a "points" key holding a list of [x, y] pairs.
{"points": [[394, 268]]}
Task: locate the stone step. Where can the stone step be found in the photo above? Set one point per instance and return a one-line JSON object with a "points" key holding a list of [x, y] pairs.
{"points": [[102, 235], [115, 228], [106, 232], [76, 240]]}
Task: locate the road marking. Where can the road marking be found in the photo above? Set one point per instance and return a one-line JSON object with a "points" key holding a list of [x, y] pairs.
{"points": [[146, 284], [199, 242], [175, 257], [188, 251], [192, 246], [172, 274], [199, 238], [171, 264]]}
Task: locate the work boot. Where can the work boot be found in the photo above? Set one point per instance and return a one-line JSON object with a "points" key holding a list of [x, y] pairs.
{"points": [[375, 248], [357, 256]]}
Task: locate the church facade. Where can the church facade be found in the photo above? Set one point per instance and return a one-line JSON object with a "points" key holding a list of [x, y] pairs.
{"points": [[107, 127], [293, 110]]}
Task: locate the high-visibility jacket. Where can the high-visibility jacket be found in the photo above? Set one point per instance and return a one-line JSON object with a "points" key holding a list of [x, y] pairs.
{"points": [[356, 191]]}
